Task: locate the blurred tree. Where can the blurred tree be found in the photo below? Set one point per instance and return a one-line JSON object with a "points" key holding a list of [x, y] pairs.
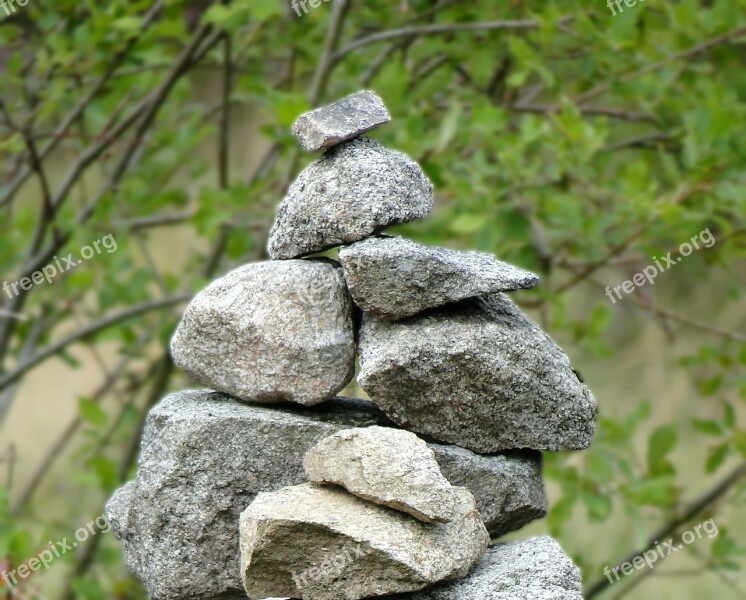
{"points": [[559, 137]]}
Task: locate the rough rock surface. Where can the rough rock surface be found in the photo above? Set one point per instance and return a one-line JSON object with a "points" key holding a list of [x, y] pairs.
{"points": [[354, 190], [393, 278], [321, 543], [341, 121], [387, 466], [531, 569], [205, 456], [478, 374], [271, 332]]}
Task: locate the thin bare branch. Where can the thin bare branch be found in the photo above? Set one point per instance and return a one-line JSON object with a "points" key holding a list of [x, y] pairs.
{"points": [[89, 331], [439, 29], [704, 503]]}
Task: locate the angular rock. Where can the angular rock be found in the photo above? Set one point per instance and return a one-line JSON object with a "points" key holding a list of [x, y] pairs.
{"points": [[478, 374], [271, 332], [205, 456], [321, 543], [341, 121], [354, 190], [393, 278], [508, 487], [532, 569], [391, 467]]}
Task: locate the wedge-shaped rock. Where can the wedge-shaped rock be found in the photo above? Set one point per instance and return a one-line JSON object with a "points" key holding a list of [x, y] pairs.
{"points": [[271, 332], [354, 190], [393, 278], [205, 456], [341, 121], [532, 569], [321, 543], [391, 467], [478, 374]]}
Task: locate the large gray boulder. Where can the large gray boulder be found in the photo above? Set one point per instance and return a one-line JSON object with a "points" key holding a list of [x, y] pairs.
{"points": [[392, 277], [531, 569], [478, 374], [271, 332], [340, 121], [391, 467], [321, 543], [354, 190], [205, 456]]}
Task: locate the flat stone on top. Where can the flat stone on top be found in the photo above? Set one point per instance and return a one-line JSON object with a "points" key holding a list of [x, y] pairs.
{"points": [[393, 278], [343, 120]]}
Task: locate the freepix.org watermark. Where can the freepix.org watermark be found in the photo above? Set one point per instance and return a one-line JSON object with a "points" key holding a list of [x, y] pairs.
{"points": [[331, 567], [60, 265], [9, 6], [618, 3], [649, 273], [55, 550], [662, 550], [297, 5]]}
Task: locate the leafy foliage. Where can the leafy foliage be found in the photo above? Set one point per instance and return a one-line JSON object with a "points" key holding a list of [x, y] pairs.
{"points": [[571, 142]]}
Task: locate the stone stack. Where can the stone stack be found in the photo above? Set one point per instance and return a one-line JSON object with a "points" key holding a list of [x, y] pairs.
{"points": [[270, 486]]}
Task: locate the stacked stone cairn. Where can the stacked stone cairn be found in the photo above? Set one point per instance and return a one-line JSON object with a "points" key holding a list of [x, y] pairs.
{"points": [[268, 486]]}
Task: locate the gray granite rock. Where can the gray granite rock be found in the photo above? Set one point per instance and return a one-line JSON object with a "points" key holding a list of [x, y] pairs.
{"points": [[392, 277], [343, 120], [508, 487], [531, 569], [322, 543], [391, 467], [354, 190], [271, 332], [478, 374], [205, 456]]}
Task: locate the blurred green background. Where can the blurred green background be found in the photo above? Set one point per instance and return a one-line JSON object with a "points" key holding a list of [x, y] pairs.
{"points": [[562, 137]]}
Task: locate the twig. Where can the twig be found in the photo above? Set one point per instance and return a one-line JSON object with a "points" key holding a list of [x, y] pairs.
{"points": [[88, 552], [599, 111], [438, 29], [700, 505], [224, 138], [327, 58], [88, 331], [59, 445], [78, 110], [690, 53], [678, 317], [137, 223]]}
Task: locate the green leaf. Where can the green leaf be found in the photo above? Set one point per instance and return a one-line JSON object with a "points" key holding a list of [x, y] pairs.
{"points": [[466, 224], [661, 443], [560, 513], [599, 467], [262, 10], [716, 457], [599, 505], [708, 427], [91, 412], [730, 415], [106, 471], [655, 491], [636, 417]]}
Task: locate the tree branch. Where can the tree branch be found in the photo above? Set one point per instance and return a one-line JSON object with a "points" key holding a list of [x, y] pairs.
{"points": [[88, 331], [695, 509], [439, 29]]}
